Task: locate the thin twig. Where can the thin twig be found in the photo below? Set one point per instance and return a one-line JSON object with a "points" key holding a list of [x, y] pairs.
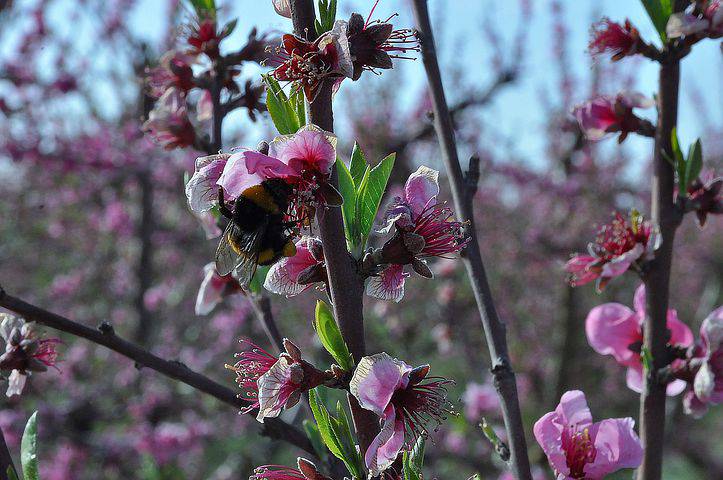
{"points": [[504, 377], [346, 284], [106, 336]]}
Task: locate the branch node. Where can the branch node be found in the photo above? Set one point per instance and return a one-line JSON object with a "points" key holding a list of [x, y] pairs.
{"points": [[106, 328], [471, 177]]}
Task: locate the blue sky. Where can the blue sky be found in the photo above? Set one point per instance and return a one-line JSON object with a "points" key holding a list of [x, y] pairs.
{"points": [[517, 112]]}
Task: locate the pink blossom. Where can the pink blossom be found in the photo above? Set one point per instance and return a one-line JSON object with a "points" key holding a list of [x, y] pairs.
{"points": [[708, 381], [253, 363], [404, 397], [607, 36], [422, 228], [214, 288], [604, 114], [706, 22], [618, 246], [577, 448], [310, 63], [174, 71], [704, 196], [294, 275], [24, 352], [282, 7], [201, 189], [168, 122], [479, 399], [614, 329]]}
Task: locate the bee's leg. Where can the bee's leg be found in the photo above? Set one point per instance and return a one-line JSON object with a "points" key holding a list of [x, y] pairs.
{"points": [[222, 208]]}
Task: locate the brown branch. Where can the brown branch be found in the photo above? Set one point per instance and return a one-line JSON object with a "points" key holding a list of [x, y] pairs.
{"points": [[657, 276], [504, 377], [106, 337], [346, 284]]}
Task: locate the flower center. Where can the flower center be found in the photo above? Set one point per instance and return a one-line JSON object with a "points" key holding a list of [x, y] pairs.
{"points": [[579, 451]]}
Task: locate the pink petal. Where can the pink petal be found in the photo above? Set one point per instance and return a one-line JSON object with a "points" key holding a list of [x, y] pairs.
{"points": [[210, 293], [680, 333], [578, 268], [620, 264], [680, 24], [201, 189], [573, 409], [548, 433], [711, 331], [375, 380], [16, 383], [311, 148], [421, 189], [389, 285], [635, 100], [610, 329], [282, 277], [275, 387], [595, 117], [236, 177], [386, 445], [283, 7], [639, 302], [692, 405], [617, 446], [634, 378], [265, 166]]}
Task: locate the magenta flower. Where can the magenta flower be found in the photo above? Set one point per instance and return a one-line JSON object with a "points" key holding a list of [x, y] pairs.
{"points": [[603, 115], [479, 399], [174, 71], [618, 246], [708, 381], [310, 63], [614, 329], [24, 352], [404, 397], [577, 448], [607, 36], [304, 160], [201, 189], [272, 384], [706, 20], [168, 122], [214, 288], [373, 44], [422, 228], [294, 275]]}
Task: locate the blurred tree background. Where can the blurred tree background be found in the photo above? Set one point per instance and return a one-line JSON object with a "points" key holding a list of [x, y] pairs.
{"points": [[94, 225]]}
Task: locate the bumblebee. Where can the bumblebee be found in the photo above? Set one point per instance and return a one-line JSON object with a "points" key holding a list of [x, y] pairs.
{"points": [[256, 233]]}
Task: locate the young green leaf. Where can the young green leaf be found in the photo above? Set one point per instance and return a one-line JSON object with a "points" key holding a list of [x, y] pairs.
{"points": [[321, 415], [10, 472], [283, 113], [659, 11], [413, 460], [693, 165], [330, 336], [678, 156], [348, 208], [370, 194], [358, 164], [312, 431], [29, 449], [327, 15], [203, 7], [257, 281]]}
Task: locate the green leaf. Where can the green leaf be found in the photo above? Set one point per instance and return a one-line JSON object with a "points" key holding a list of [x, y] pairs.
{"points": [[10, 472], [257, 281], [283, 113], [29, 449], [330, 336], [348, 208], [647, 357], [659, 11], [321, 415], [358, 164], [693, 165], [204, 6], [679, 160], [298, 103], [327, 16], [413, 460], [312, 431], [370, 193]]}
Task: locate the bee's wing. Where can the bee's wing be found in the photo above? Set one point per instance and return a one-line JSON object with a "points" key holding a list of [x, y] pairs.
{"points": [[238, 252]]}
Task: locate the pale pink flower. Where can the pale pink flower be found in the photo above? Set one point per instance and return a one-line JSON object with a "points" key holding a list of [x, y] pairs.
{"points": [[214, 288], [404, 397], [618, 246], [614, 329], [294, 275], [201, 189], [422, 228], [577, 448], [282, 7], [173, 71], [604, 114], [607, 36], [480, 399], [168, 122], [24, 352], [708, 381], [708, 22]]}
